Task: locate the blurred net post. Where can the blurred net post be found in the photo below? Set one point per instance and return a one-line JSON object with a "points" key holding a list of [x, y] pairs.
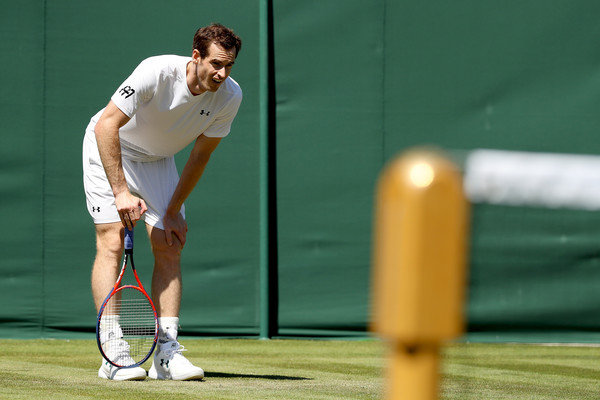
{"points": [[420, 249]]}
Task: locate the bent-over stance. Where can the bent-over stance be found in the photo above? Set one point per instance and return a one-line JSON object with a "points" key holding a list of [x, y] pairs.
{"points": [[129, 170]]}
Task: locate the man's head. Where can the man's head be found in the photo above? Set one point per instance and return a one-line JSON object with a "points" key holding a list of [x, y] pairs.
{"points": [[215, 50], [219, 35]]}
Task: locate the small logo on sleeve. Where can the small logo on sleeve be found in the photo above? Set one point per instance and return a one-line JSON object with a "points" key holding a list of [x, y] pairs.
{"points": [[202, 112], [126, 91]]}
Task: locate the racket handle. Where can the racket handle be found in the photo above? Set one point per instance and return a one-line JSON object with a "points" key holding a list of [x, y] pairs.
{"points": [[128, 239]]}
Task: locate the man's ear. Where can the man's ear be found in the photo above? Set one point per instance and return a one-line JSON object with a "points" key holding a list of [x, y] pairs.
{"points": [[196, 55]]}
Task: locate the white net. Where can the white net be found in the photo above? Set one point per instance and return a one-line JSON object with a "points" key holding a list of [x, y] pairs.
{"points": [[533, 179]]}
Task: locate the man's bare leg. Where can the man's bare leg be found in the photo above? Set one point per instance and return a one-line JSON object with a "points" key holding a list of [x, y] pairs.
{"points": [[166, 280], [109, 251], [168, 362]]}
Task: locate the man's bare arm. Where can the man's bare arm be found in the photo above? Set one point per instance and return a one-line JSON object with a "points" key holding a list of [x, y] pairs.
{"points": [[130, 207], [191, 174]]}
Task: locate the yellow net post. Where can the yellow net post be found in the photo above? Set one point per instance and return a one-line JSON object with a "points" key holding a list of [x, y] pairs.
{"points": [[419, 268]]}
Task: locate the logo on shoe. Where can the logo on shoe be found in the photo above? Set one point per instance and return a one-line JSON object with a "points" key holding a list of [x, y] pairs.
{"points": [[163, 363], [112, 370]]}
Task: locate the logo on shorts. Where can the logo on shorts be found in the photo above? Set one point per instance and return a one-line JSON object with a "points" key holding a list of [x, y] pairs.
{"points": [[126, 91], [202, 112], [96, 209]]}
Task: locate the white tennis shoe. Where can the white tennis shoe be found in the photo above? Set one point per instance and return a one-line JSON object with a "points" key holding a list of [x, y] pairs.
{"points": [[118, 351], [169, 363]]}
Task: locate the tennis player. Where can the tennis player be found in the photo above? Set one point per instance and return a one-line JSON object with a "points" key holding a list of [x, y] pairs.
{"points": [[129, 173]]}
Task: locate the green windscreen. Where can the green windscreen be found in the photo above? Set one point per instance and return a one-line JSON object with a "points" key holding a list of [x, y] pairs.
{"points": [[354, 84]]}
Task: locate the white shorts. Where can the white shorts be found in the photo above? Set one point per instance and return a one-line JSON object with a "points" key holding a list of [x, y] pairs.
{"points": [[153, 181]]}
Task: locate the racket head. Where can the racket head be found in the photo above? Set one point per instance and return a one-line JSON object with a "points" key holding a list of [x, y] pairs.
{"points": [[127, 327]]}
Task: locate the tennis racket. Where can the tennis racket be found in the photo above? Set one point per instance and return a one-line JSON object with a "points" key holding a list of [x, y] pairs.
{"points": [[127, 326]]}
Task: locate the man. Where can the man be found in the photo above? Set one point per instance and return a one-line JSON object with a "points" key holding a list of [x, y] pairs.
{"points": [[167, 103]]}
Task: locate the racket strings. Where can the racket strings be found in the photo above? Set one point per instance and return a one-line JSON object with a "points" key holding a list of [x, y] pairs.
{"points": [[128, 327]]}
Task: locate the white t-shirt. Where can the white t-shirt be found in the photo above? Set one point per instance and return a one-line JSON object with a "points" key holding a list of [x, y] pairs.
{"points": [[165, 115]]}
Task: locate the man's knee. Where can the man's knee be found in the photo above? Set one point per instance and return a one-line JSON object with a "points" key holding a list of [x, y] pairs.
{"points": [[161, 248], [109, 239]]}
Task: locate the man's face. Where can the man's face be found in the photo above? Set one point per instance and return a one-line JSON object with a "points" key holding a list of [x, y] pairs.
{"points": [[212, 70]]}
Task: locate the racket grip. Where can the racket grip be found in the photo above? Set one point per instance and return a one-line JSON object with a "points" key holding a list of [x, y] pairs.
{"points": [[128, 239]]}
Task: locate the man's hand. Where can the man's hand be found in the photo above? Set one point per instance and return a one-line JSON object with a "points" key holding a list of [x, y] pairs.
{"points": [[175, 225], [130, 208]]}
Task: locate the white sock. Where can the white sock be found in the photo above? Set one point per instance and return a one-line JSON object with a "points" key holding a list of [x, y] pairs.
{"points": [[167, 329], [110, 328]]}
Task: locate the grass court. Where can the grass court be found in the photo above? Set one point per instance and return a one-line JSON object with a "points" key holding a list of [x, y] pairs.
{"points": [[302, 369]]}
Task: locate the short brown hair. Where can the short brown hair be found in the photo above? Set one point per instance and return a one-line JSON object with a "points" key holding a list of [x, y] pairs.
{"points": [[218, 34]]}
